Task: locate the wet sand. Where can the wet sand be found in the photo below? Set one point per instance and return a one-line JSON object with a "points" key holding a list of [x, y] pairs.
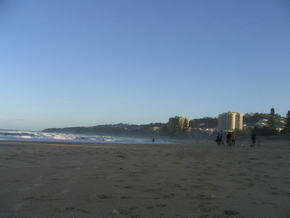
{"points": [[115, 180]]}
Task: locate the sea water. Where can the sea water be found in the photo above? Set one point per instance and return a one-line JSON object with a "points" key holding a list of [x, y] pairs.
{"points": [[16, 135]]}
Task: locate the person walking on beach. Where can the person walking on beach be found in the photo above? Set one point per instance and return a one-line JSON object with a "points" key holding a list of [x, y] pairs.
{"points": [[219, 138], [253, 139], [229, 139], [234, 137]]}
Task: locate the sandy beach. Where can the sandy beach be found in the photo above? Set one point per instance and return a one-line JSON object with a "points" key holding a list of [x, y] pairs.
{"points": [[119, 180]]}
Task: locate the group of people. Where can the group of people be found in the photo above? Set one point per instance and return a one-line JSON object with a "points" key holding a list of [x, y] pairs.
{"points": [[231, 138]]}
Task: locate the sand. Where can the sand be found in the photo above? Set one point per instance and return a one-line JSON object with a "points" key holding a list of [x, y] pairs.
{"points": [[115, 180]]}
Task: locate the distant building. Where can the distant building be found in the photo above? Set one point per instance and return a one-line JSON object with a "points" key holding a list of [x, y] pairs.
{"points": [[272, 112], [178, 124], [230, 121]]}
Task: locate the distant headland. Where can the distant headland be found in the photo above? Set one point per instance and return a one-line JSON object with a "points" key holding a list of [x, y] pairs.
{"points": [[178, 126]]}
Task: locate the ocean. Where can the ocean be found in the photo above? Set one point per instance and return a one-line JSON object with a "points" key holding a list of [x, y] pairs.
{"points": [[17, 135]]}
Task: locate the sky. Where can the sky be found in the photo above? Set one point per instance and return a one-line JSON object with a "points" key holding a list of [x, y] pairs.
{"points": [[89, 62]]}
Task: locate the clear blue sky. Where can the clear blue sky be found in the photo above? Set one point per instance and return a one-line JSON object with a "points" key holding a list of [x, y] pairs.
{"points": [[73, 62]]}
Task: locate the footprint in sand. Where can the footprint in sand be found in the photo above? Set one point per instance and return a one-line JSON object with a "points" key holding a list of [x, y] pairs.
{"points": [[273, 188], [151, 190], [125, 211], [131, 174], [82, 210], [69, 209], [120, 156], [195, 186], [204, 208], [231, 212], [205, 196], [177, 185], [41, 198], [200, 179], [170, 195], [212, 187], [102, 197], [161, 205], [275, 193]]}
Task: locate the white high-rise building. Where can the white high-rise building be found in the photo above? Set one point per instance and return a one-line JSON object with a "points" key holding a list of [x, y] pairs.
{"points": [[230, 121]]}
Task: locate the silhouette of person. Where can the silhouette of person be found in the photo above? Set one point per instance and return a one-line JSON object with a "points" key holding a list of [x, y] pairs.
{"points": [[234, 137], [254, 139], [229, 139], [219, 138]]}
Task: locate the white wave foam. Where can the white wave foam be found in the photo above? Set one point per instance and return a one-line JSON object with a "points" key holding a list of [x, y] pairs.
{"points": [[25, 137]]}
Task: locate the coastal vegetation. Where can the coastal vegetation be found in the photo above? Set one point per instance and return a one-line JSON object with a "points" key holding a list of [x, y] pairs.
{"points": [[178, 126]]}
